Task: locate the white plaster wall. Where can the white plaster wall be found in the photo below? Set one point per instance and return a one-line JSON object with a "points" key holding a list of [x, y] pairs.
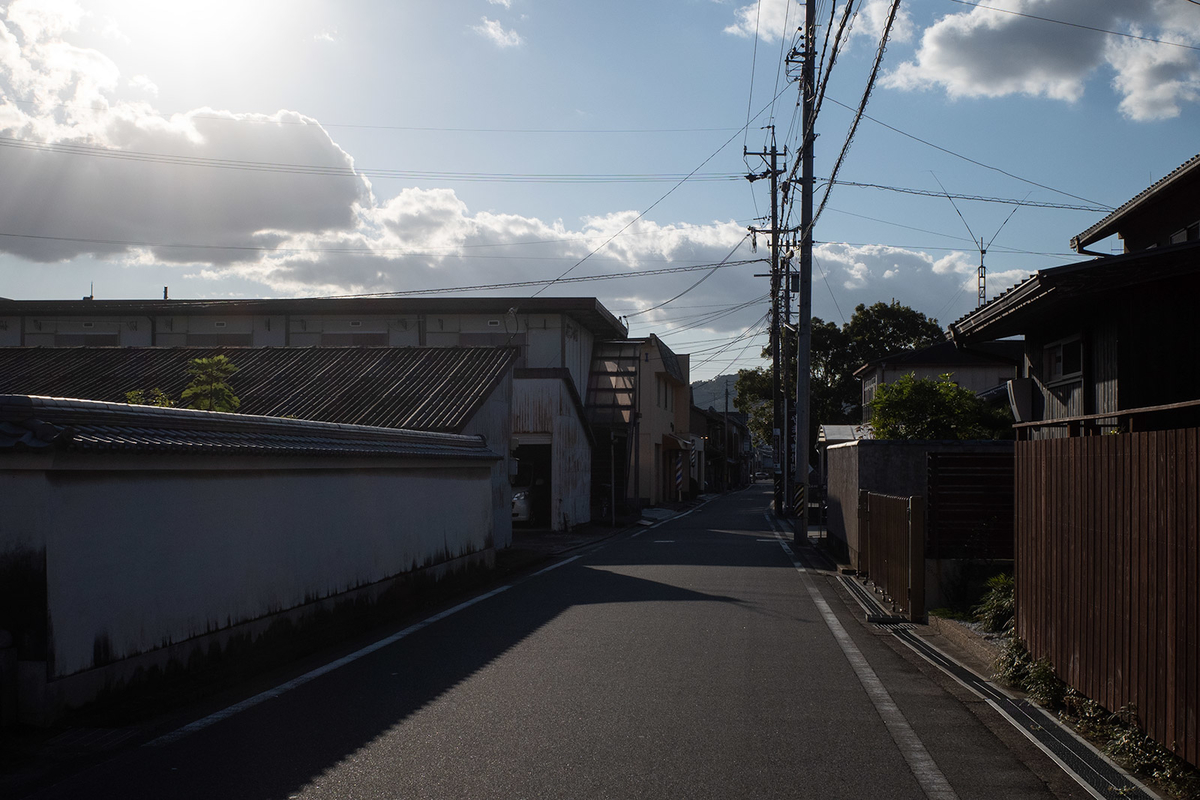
{"points": [[146, 559], [494, 422], [545, 341]]}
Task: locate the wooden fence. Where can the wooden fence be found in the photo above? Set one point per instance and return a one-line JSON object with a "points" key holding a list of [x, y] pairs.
{"points": [[969, 513], [892, 545], [1108, 572]]}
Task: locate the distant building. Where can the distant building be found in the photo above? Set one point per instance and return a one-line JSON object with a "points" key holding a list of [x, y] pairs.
{"points": [[547, 333], [985, 366], [638, 401], [437, 389]]}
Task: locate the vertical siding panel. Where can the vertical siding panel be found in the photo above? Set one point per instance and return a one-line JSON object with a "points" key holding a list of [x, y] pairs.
{"points": [[1192, 557], [1092, 654], [1075, 589], [1114, 566], [1157, 581], [1109, 586], [1171, 593]]}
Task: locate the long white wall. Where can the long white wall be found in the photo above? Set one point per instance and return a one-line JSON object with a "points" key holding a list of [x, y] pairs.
{"points": [[138, 560]]}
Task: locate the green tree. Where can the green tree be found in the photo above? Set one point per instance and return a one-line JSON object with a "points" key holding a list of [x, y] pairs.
{"points": [[209, 390], [753, 387], [152, 397], [924, 408], [835, 396]]}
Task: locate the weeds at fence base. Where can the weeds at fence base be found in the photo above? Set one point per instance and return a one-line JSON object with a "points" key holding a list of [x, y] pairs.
{"points": [[1117, 734]]}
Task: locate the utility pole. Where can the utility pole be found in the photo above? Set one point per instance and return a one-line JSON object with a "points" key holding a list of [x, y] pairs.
{"points": [[804, 306], [982, 274], [781, 442]]}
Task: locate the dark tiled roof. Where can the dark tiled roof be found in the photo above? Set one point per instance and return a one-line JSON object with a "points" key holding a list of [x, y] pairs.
{"points": [[945, 354], [432, 389], [586, 310], [1110, 224], [86, 426], [1047, 291]]}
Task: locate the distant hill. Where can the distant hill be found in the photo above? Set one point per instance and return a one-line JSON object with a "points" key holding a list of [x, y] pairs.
{"points": [[712, 392]]}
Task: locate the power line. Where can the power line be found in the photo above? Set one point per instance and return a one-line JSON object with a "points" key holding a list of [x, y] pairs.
{"points": [[970, 160], [974, 197], [862, 105], [642, 214], [1078, 25], [98, 151], [368, 251], [697, 283], [419, 128], [524, 284]]}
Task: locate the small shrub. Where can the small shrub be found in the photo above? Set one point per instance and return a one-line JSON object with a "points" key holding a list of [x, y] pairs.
{"points": [[1014, 664], [997, 609], [1043, 685]]}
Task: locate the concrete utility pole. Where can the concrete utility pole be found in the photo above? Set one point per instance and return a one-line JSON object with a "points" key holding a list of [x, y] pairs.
{"points": [[804, 307], [781, 442]]}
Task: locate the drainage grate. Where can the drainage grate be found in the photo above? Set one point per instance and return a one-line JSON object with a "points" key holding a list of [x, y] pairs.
{"points": [[894, 626], [1083, 762]]}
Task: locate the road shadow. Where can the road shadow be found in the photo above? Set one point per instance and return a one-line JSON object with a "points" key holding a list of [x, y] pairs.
{"points": [[278, 747]]}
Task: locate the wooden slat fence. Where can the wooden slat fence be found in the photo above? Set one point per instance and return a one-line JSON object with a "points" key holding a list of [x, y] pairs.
{"points": [[892, 544], [969, 513], [1108, 572]]}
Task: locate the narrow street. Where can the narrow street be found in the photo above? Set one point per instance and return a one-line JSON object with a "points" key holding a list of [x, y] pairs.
{"points": [[690, 660]]}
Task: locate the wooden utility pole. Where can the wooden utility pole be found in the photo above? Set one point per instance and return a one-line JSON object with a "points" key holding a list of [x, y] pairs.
{"points": [[781, 440], [804, 306]]}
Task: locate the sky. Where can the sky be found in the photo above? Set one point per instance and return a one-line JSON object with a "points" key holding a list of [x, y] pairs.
{"points": [[272, 148]]}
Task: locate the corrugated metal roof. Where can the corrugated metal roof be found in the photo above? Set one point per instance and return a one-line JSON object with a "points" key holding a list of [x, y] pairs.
{"points": [[87, 426], [431, 389]]}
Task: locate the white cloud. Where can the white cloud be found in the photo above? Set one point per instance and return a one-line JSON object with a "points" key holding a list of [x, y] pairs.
{"points": [[325, 36], [143, 84], [772, 19], [505, 3], [775, 19], [499, 36], [305, 234], [985, 52], [868, 273]]}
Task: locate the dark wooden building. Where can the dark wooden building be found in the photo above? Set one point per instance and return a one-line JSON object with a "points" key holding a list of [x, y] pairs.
{"points": [[1105, 336], [1107, 487]]}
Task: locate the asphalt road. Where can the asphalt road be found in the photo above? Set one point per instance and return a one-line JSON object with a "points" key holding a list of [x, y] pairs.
{"points": [[693, 660]]}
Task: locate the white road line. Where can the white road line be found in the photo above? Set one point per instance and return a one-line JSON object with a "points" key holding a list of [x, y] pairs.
{"points": [[555, 565], [923, 767], [294, 683]]}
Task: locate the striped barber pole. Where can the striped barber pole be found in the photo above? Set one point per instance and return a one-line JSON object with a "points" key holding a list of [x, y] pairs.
{"points": [[679, 472]]}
